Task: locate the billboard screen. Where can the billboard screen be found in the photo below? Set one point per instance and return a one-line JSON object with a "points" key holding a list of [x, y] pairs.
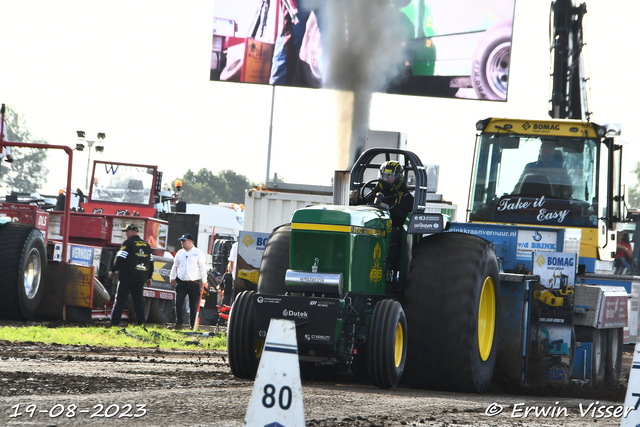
{"points": [[444, 48]]}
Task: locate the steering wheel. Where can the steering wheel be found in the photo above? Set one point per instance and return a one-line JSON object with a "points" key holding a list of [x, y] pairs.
{"points": [[371, 185]]}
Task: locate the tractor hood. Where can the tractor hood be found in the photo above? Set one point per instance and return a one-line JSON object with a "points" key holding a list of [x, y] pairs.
{"points": [[345, 243], [343, 218]]}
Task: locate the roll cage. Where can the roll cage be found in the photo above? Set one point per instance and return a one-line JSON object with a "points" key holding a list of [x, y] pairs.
{"points": [[407, 159]]}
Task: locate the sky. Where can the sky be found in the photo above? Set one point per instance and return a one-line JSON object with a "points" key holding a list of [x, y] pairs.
{"points": [[139, 72]]}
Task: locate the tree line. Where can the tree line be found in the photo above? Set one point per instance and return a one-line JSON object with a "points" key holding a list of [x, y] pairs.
{"points": [[27, 173], [205, 187]]}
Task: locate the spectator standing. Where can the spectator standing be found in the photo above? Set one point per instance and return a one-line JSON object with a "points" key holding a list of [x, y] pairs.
{"points": [[233, 258], [189, 276], [134, 262], [229, 277], [624, 254]]}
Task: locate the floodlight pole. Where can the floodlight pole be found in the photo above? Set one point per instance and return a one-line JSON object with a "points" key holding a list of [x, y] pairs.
{"points": [[273, 97], [90, 144], [81, 137]]}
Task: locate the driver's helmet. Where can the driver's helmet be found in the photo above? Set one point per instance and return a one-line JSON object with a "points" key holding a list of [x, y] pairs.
{"points": [[391, 173]]}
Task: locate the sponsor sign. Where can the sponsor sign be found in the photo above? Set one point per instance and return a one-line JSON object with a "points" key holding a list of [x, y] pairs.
{"points": [[251, 247], [154, 293], [86, 256], [614, 311], [425, 224], [556, 269], [82, 255], [530, 241]]}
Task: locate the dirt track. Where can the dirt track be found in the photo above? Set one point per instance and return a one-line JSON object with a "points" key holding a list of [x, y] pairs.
{"points": [[196, 388]]}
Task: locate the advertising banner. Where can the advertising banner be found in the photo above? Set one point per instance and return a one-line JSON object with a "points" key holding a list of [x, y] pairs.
{"points": [[251, 246], [444, 48], [550, 347]]}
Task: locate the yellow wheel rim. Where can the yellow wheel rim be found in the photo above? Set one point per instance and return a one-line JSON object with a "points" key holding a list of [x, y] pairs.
{"points": [[259, 346], [486, 318], [399, 344]]}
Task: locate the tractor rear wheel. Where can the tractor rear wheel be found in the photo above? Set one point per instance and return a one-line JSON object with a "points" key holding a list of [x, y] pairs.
{"points": [[23, 266], [243, 349], [275, 261], [387, 344], [453, 302], [615, 341], [161, 311], [133, 317]]}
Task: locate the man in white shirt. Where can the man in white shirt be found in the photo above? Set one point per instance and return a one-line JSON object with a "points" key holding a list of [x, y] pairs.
{"points": [[233, 257], [188, 275]]}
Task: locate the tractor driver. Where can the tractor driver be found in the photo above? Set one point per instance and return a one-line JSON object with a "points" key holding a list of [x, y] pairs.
{"points": [[549, 170], [395, 197], [395, 194]]}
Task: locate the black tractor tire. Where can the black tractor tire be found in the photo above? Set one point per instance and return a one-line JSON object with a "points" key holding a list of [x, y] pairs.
{"points": [[100, 295], [613, 366], [598, 340], [387, 344], [243, 349], [490, 64], [452, 303], [161, 311], [598, 357], [133, 317], [275, 261], [23, 267]]}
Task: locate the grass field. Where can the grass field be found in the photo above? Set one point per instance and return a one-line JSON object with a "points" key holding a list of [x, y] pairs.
{"points": [[131, 336]]}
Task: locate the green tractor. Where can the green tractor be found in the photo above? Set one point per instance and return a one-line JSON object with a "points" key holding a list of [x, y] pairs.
{"points": [[432, 316]]}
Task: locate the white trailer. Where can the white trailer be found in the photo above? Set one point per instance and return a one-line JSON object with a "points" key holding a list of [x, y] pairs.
{"points": [[224, 222]]}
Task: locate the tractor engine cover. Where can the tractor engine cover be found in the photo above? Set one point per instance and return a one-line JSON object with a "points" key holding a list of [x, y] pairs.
{"points": [[316, 318]]}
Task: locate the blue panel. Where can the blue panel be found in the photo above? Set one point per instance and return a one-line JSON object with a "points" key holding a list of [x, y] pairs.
{"points": [[589, 263], [626, 284], [587, 347], [505, 241], [579, 363], [503, 237]]}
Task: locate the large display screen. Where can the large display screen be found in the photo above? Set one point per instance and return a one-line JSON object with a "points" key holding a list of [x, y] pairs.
{"points": [[444, 48]]}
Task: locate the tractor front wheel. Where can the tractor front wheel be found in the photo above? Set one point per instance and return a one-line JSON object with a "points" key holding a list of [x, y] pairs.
{"points": [[453, 302], [387, 345], [243, 349]]}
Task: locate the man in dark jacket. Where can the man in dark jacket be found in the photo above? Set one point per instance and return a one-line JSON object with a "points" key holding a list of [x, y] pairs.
{"points": [[134, 261]]}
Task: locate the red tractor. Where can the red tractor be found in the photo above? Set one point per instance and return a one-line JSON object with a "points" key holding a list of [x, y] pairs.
{"points": [[55, 258]]}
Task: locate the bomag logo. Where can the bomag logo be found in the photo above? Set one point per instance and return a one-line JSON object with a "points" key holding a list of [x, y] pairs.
{"points": [[546, 126]]}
